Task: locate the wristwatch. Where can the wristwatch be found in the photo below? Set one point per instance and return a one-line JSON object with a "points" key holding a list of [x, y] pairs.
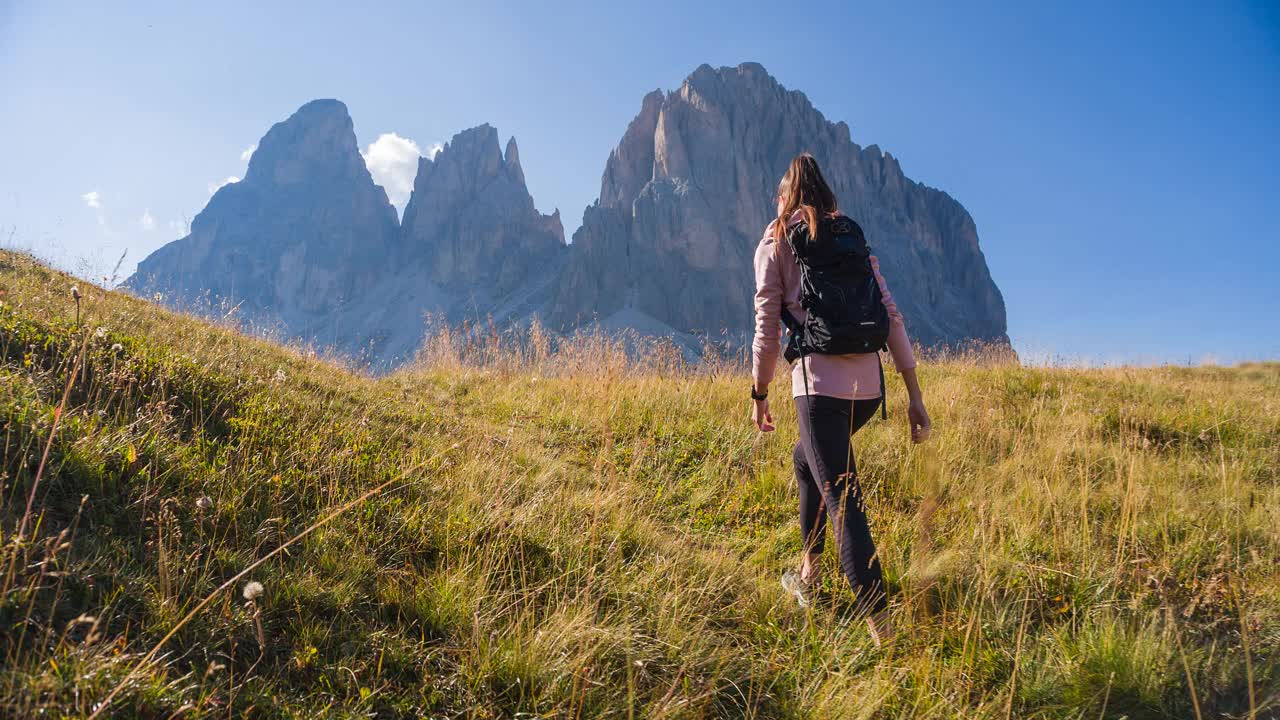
{"points": [[758, 395]]}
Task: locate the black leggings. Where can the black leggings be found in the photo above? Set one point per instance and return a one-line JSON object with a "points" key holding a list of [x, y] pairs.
{"points": [[827, 476]]}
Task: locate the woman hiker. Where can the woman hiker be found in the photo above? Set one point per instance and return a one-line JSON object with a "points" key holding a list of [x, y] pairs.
{"points": [[837, 382]]}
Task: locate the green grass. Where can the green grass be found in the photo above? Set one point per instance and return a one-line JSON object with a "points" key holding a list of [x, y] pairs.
{"points": [[572, 534]]}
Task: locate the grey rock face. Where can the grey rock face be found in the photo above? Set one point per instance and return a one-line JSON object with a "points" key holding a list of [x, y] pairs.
{"points": [[472, 222], [306, 232], [686, 195], [308, 246]]}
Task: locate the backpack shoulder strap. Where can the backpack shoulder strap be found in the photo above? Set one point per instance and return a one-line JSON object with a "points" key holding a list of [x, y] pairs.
{"points": [[884, 401]]}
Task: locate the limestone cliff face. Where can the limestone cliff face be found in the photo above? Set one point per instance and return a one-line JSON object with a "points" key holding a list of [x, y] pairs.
{"points": [[308, 247], [472, 222], [688, 191], [306, 232]]}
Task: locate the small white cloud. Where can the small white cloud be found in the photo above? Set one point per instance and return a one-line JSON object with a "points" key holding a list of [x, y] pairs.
{"points": [[146, 221], [393, 162], [93, 200], [214, 186], [248, 152], [434, 150]]}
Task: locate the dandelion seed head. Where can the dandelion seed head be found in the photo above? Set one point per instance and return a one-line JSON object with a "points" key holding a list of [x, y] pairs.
{"points": [[204, 503], [117, 348], [253, 590], [75, 291]]}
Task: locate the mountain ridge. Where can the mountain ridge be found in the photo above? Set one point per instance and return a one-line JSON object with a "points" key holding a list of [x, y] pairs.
{"points": [[692, 181], [665, 248]]}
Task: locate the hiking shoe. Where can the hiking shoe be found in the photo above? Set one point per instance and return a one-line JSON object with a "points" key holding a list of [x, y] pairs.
{"points": [[804, 592], [880, 625]]}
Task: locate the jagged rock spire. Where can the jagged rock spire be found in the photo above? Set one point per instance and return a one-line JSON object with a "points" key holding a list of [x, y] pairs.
{"points": [[471, 220], [512, 159]]}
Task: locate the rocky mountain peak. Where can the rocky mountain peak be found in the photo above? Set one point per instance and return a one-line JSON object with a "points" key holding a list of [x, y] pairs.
{"points": [[305, 232], [471, 220], [630, 165], [466, 165], [309, 247], [317, 142], [688, 191]]}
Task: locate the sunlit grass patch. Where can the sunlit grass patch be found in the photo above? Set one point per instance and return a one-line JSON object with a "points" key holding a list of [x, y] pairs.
{"points": [[589, 528]]}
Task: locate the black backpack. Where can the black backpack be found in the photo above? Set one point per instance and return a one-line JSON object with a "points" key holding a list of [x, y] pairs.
{"points": [[839, 291]]}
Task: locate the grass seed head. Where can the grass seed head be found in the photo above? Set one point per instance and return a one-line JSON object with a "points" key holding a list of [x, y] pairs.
{"points": [[253, 590]]}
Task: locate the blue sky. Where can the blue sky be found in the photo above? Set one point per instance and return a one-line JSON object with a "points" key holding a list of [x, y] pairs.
{"points": [[1122, 164]]}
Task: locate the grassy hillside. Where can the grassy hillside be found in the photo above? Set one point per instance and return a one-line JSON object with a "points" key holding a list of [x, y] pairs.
{"points": [[566, 534]]}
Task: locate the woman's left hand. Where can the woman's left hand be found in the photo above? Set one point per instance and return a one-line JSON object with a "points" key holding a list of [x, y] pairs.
{"points": [[919, 420], [761, 416]]}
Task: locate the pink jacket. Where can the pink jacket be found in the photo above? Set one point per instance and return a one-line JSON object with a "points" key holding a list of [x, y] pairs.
{"points": [[841, 376]]}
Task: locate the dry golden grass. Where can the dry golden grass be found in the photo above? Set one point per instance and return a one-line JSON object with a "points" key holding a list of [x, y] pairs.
{"points": [[568, 531]]}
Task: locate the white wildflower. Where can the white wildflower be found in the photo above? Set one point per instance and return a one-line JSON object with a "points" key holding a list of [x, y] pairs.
{"points": [[100, 333], [280, 375], [253, 590], [204, 503]]}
